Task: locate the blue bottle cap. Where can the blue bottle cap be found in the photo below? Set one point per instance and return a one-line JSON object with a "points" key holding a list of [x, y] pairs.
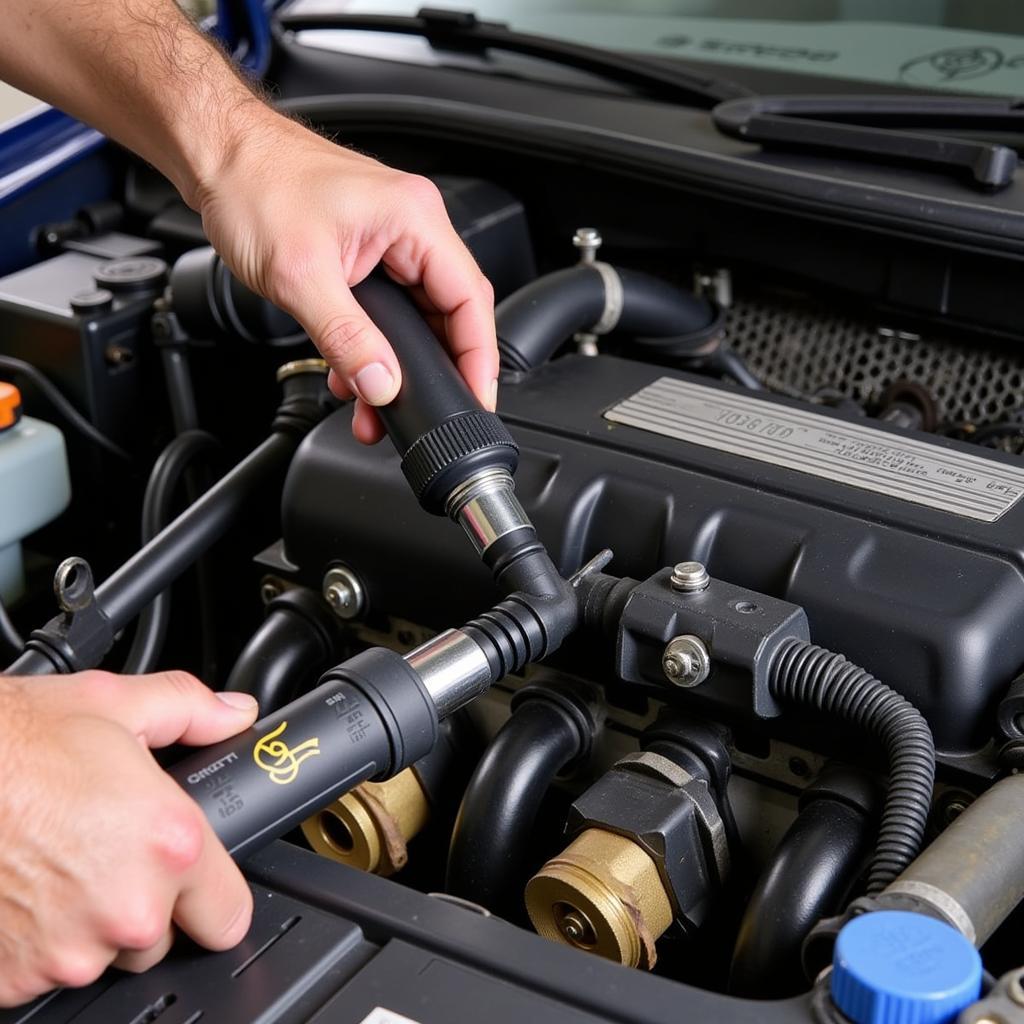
{"points": [[896, 967]]}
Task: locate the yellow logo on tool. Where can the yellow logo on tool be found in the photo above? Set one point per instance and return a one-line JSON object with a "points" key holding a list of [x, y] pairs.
{"points": [[280, 761]]}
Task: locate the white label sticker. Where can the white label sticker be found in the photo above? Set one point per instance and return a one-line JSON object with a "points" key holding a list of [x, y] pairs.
{"points": [[379, 1015], [834, 449]]}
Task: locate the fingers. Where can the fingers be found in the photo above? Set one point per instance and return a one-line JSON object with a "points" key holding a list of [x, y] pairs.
{"points": [[455, 286], [214, 906], [366, 424], [357, 352], [166, 707], [139, 960]]}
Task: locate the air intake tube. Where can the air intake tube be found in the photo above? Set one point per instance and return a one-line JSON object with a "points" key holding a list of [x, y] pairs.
{"points": [[598, 298]]}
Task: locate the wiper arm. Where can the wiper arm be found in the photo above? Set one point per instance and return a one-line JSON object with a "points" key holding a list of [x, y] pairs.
{"points": [[877, 126], [463, 31]]}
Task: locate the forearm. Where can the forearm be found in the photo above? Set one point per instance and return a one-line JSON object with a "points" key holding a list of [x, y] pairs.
{"points": [[140, 72]]}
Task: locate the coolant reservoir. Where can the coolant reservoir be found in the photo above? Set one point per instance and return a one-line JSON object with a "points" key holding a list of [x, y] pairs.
{"points": [[34, 484]]}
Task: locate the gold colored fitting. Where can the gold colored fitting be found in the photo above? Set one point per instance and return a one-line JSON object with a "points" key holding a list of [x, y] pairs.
{"points": [[602, 894], [370, 827], [297, 366]]}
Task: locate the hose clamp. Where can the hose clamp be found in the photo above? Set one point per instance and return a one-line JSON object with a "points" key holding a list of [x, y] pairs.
{"points": [[613, 299]]}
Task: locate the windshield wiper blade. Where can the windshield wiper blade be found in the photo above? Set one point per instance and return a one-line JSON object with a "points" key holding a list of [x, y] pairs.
{"points": [[882, 127], [463, 31]]}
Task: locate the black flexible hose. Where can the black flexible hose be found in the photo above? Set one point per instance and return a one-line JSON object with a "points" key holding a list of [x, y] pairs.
{"points": [[157, 507], [810, 675], [290, 648], [540, 316], [808, 877], [494, 829], [54, 396], [11, 643]]}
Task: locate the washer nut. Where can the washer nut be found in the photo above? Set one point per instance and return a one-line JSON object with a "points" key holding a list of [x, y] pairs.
{"points": [[343, 592], [686, 661]]}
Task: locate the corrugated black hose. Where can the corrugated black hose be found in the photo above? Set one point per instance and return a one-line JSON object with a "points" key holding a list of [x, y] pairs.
{"points": [[806, 674]]}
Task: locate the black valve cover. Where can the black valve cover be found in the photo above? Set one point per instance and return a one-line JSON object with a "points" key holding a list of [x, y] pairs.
{"points": [[928, 596]]}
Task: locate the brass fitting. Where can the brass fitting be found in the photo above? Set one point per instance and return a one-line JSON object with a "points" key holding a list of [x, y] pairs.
{"points": [[369, 828], [602, 894]]}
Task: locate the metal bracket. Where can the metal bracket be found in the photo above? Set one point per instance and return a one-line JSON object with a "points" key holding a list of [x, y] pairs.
{"points": [[81, 635]]}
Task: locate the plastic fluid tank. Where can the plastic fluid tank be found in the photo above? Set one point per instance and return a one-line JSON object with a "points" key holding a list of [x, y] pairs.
{"points": [[896, 967], [34, 484]]}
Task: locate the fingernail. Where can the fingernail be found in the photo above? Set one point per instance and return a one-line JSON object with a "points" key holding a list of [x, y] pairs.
{"points": [[238, 701], [494, 394], [375, 384]]}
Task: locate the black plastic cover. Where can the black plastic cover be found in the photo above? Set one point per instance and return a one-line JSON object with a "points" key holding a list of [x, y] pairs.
{"points": [[928, 601], [333, 945]]}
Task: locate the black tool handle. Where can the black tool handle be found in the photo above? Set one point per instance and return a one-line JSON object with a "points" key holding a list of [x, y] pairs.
{"points": [[438, 427], [369, 718]]}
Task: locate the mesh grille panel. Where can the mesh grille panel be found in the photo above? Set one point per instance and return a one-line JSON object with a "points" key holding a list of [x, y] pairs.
{"points": [[794, 346]]}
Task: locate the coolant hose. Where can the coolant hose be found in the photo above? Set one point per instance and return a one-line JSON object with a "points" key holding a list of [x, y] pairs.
{"points": [[806, 674], [493, 832], [291, 647], [597, 298], [808, 876], [157, 505]]}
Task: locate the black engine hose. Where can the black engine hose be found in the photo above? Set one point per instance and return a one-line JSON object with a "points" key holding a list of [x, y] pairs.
{"points": [[535, 320], [10, 638], [806, 674], [292, 646], [493, 832], [157, 507], [808, 876]]}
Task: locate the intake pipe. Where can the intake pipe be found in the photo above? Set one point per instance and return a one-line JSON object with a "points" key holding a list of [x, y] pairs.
{"points": [[597, 298], [809, 876], [493, 834], [972, 875], [294, 644]]}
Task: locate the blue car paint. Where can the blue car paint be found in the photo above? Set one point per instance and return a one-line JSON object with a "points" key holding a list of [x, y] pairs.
{"points": [[51, 165]]}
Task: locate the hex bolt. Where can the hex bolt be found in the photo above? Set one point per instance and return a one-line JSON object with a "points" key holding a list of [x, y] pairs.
{"points": [[689, 577], [686, 661], [270, 588], [588, 241], [343, 592]]}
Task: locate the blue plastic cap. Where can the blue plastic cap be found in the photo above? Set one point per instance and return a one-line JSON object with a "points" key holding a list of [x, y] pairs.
{"points": [[896, 967]]}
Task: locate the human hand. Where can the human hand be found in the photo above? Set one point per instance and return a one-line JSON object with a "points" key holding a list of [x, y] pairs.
{"points": [[300, 220], [101, 850]]}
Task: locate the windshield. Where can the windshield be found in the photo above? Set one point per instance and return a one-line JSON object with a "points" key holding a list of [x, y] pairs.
{"points": [[958, 45]]}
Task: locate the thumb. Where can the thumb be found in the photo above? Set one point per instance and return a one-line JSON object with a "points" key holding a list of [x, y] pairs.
{"points": [[346, 337], [172, 707]]}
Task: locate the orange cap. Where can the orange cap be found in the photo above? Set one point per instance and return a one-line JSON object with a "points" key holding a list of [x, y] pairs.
{"points": [[10, 405]]}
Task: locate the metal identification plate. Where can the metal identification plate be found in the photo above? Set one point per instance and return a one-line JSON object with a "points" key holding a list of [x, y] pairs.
{"points": [[381, 1016], [848, 453]]}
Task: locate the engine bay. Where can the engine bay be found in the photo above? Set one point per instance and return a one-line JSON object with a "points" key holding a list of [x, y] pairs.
{"points": [[766, 538]]}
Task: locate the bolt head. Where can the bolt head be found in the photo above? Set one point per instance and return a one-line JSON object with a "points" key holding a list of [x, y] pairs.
{"points": [[689, 577], [686, 661], [586, 238], [343, 592]]}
